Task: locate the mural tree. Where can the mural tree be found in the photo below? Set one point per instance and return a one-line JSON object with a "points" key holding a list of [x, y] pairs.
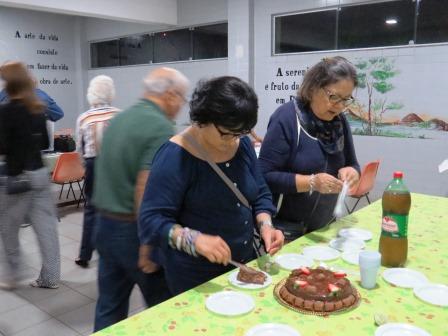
{"points": [[374, 75]]}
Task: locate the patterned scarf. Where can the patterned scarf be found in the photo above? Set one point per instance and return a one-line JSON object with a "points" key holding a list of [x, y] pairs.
{"points": [[330, 134]]}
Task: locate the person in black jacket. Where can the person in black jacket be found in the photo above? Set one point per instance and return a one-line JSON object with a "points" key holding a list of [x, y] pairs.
{"points": [[23, 134]]}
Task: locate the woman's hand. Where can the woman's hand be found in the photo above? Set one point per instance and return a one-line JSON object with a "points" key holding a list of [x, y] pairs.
{"points": [[350, 175], [273, 239], [214, 248], [327, 184]]}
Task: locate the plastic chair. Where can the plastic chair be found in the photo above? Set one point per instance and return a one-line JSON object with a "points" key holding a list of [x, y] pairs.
{"points": [[365, 184], [68, 170]]}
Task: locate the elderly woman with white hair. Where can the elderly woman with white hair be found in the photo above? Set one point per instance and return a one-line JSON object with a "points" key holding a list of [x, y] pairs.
{"points": [[89, 130]]}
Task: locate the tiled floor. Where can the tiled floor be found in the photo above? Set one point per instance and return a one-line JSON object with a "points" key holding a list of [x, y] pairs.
{"points": [[66, 311]]}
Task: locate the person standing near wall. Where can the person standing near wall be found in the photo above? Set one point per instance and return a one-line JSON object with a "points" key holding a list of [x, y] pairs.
{"points": [[25, 188], [121, 171], [308, 152], [52, 110], [89, 133]]}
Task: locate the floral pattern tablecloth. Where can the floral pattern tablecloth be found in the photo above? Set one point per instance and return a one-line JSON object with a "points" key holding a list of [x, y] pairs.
{"points": [[186, 314]]}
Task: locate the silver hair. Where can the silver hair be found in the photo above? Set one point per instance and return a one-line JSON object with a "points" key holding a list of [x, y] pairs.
{"points": [[158, 85], [101, 91]]}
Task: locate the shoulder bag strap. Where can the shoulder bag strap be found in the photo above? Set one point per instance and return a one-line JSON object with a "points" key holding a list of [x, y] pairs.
{"points": [[205, 156]]}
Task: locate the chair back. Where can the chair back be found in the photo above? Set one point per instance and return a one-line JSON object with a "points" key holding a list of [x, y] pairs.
{"points": [[68, 168], [367, 179]]}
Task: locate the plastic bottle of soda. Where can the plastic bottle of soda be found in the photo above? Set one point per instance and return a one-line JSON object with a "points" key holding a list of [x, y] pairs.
{"points": [[394, 229]]}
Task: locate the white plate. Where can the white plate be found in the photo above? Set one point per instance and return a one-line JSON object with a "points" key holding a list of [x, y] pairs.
{"points": [[321, 252], [272, 329], [234, 281], [347, 244], [404, 277], [433, 293], [351, 257], [291, 261], [400, 329], [355, 233], [230, 303]]}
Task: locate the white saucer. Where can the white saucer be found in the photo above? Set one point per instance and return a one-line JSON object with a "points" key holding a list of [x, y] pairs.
{"points": [[234, 281], [291, 261], [351, 257], [404, 277], [433, 293], [400, 329], [272, 329], [355, 233], [321, 252], [230, 303], [347, 244]]}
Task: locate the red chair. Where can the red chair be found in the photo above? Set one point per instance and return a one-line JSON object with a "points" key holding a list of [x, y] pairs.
{"points": [[68, 170], [365, 184]]}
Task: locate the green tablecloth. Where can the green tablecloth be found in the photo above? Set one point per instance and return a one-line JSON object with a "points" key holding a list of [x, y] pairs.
{"points": [[428, 253]]}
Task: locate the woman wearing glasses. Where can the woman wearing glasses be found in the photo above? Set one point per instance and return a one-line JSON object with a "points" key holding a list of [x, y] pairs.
{"points": [[308, 153], [194, 219]]}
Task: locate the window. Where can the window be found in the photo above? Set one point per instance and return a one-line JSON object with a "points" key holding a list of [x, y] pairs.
{"points": [[376, 25], [104, 54], [203, 42], [305, 32], [432, 22], [210, 41], [171, 46], [136, 49]]}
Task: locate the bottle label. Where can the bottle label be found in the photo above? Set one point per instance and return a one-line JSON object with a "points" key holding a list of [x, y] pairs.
{"points": [[395, 226]]}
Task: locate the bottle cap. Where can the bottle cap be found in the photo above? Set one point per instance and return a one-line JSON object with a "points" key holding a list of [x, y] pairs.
{"points": [[398, 174]]}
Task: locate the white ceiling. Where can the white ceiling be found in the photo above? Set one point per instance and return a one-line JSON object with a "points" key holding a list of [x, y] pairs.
{"points": [[141, 11]]}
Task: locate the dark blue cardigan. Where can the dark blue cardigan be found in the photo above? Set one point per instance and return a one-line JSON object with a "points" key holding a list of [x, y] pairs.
{"points": [[283, 155]]}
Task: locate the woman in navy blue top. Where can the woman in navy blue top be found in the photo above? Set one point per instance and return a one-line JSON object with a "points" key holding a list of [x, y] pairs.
{"points": [[193, 218], [308, 150]]}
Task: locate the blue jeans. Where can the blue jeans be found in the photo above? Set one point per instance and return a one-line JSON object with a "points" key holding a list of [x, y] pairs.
{"points": [[86, 249], [118, 246]]}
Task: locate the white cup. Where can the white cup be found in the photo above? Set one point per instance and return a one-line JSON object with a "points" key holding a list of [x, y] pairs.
{"points": [[369, 263]]}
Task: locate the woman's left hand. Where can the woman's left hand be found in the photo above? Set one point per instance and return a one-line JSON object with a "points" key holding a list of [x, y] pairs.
{"points": [[349, 175], [273, 239]]}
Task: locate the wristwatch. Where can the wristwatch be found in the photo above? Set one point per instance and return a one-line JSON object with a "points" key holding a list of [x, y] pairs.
{"points": [[265, 222]]}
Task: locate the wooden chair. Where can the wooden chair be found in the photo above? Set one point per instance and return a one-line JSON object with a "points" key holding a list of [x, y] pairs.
{"points": [[365, 184], [68, 170]]}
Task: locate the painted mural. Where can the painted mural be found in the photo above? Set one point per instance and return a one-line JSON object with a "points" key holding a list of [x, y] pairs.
{"points": [[402, 92], [377, 112]]}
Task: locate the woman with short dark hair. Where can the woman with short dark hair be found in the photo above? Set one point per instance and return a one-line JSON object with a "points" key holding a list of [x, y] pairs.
{"points": [[25, 187], [188, 212], [308, 153]]}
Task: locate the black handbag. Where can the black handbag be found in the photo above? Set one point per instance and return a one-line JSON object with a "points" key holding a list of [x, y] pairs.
{"points": [[64, 143], [18, 184]]}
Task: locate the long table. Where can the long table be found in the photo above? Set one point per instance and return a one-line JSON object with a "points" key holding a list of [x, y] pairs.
{"points": [[186, 314]]}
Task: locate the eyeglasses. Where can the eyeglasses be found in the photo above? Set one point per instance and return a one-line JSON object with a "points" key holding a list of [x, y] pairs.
{"points": [[224, 134], [336, 99]]}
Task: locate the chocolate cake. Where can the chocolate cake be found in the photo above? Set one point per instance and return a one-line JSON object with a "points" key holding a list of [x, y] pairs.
{"points": [[250, 275], [318, 290]]}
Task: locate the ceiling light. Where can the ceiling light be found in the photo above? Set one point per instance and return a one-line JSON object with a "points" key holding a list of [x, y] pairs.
{"points": [[391, 21]]}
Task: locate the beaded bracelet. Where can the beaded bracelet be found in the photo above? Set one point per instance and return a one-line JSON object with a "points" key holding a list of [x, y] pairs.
{"points": [[171, 242], [185, 240]]}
